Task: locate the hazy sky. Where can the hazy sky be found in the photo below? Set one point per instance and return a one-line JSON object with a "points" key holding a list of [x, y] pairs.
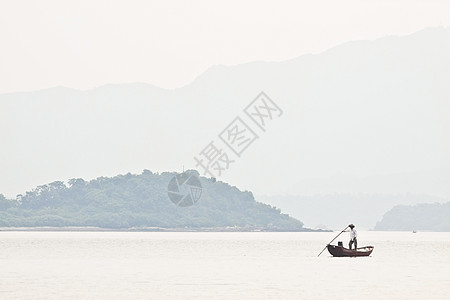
{"points": [[83, 44]]}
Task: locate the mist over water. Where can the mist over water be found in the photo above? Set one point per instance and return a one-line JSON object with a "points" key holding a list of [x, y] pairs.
{"points": [[119, 265]]}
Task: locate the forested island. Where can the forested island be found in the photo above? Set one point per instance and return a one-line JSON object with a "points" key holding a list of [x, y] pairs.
{"points": [[141, 202], [424, 217]]}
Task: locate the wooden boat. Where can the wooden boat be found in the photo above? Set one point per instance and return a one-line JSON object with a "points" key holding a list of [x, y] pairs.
{"points": [[339, 251]]}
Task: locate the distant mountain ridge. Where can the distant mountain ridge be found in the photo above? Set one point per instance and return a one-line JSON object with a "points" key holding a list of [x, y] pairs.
{"points": [[420, 217], [358, 110]]}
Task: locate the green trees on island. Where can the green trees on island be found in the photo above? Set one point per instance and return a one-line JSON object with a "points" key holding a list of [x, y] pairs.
{"points": [[6, 203], [138, 201]]}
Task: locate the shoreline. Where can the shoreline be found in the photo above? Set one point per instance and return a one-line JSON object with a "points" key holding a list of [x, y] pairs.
{"points": [[158, 229]]}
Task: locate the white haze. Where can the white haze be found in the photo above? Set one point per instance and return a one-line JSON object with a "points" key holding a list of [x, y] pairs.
{"points": [[366, 117], [87, 43]]}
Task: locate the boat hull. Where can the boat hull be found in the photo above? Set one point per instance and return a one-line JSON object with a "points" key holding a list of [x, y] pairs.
{"points": [[339, 251]]}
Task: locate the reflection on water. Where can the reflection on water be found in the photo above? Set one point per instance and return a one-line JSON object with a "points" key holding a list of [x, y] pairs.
{"points": [[153, 265]]}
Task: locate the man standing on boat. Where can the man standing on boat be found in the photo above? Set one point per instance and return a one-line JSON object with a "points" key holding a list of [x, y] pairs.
{"points": [[353, 235]]}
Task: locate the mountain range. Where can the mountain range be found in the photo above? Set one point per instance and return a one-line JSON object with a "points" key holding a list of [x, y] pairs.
{"points": [[362, 117]]}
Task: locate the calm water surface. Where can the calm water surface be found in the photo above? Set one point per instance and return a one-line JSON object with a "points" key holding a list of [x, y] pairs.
{"points": [[150, 265]]}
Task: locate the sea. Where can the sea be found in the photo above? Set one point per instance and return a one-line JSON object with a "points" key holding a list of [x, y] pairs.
{"points": [[223, 265]]}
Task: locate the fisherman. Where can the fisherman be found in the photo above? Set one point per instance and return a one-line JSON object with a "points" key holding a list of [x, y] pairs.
{"points": [[353, 235]]}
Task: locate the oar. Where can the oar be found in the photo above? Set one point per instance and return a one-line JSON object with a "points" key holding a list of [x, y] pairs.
{"points": [[332, 240]]}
